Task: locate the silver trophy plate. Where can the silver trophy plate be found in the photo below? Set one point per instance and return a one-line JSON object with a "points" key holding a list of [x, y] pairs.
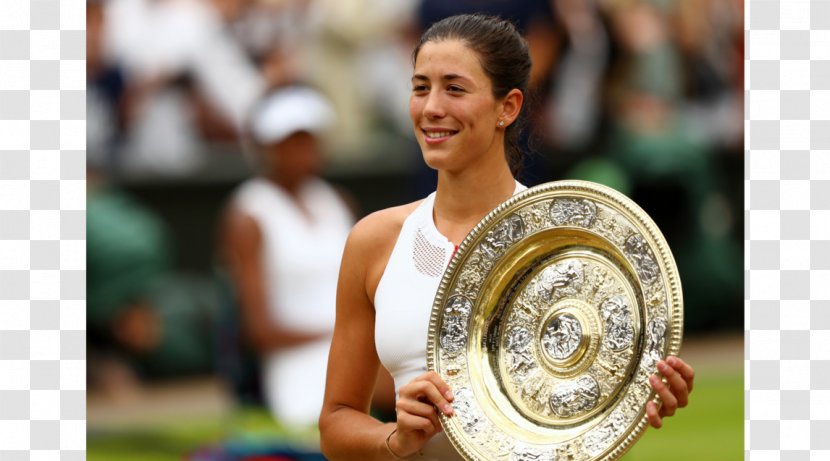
{"points": [[548, 323]]}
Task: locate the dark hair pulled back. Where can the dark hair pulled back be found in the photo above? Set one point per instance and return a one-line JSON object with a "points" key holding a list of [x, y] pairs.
{"points": [[504, 57]]}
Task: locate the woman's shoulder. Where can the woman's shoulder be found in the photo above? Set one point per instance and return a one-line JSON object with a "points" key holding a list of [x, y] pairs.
{"points": [[382, 226], [372, 241]]}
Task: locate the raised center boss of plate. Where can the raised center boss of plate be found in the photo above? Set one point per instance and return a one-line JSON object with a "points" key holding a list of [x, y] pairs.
{"points": [[562, 336], [566, 346]]}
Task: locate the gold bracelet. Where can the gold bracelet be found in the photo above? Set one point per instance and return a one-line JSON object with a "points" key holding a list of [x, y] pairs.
{"points": [[390, 448]]}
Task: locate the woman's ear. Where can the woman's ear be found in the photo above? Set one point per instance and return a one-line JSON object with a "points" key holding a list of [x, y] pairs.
{"points": [[512, 106]]}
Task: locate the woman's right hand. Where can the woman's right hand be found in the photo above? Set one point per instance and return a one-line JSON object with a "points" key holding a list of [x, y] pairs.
{"points": [[417, 411]]}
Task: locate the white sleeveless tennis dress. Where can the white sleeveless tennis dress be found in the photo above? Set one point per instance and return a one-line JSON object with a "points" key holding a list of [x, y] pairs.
{"points": [[301, 259], [403, 304]]}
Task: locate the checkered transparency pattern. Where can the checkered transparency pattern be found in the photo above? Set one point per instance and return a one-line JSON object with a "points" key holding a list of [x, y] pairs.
{"points": [[788, 230], [42, 228]]}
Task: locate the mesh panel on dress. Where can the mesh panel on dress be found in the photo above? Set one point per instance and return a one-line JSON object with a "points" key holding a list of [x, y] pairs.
{"points": [[428, 258]]}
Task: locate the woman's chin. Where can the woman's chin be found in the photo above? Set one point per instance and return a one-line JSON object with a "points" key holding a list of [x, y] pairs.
{"points": [[434, 160]]}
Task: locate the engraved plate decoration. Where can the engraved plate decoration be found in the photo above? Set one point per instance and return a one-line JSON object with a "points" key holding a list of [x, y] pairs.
{"points": [[548, 322]]}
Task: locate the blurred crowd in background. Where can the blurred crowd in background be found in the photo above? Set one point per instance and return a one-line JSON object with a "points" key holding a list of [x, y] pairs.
{"points": [[645, 96]]}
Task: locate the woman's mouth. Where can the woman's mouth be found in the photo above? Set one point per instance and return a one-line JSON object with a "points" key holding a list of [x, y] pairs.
{"points": [[437, 136]]}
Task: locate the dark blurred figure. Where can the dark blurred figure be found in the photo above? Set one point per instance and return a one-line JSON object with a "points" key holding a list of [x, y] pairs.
{"points": [[105, 91], [573, 109]]}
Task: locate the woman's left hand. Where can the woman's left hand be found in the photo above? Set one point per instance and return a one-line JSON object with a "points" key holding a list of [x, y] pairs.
{"points": [[674, 393]]}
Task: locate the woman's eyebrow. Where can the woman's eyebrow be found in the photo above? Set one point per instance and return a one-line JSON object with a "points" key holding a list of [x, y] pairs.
{"points": [[454, 77], [446, 77]]}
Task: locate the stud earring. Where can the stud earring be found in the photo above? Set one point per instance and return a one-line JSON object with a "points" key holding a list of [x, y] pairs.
{"points": [[501, 123]]}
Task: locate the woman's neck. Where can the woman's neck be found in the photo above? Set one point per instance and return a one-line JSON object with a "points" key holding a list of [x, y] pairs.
{"points": [[463, 199], [290, 185], [292, 189]]}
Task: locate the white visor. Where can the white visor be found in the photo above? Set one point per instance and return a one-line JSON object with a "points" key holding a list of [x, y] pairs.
{"points": [[289, 111]]}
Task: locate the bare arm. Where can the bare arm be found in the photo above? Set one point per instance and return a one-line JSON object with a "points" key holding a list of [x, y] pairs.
{"points": [[242, 249], [347, 431]]}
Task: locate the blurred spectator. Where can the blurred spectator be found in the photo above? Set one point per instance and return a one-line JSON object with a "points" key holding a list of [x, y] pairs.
{"points": [[144, 321], [357, 53], [275, 33], [573, 112], [178, 57], [282, 240], [709, 34], [105, 91]]}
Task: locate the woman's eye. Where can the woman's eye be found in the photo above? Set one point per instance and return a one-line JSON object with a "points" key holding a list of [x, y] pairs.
{"points": [[419, 88], [455, 89]]}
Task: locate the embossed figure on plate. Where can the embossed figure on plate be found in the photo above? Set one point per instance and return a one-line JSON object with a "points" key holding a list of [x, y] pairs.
{"points": [[502, 236], [566, 276], [562, 336], [619, 329], [656, 332], [518, 344], [574, 397], [580, 212], [600, 438], [528, 454], [464, 404], [454, 326], [637, 249], [567, 452]]}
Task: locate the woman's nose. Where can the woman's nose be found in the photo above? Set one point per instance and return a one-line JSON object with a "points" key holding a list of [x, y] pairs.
{"points": [[433, 107]]}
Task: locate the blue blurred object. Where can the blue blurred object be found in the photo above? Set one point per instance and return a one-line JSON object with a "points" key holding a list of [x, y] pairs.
{"points": [[243, 450]]}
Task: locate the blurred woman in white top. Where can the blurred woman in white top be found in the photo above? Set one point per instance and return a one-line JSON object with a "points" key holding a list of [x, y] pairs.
{"points": [[283, 236]]}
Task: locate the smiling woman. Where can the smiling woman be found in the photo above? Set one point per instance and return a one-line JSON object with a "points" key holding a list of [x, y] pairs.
{"points": [[468, 87], [469, 79], [484, 56], [455, 112]]}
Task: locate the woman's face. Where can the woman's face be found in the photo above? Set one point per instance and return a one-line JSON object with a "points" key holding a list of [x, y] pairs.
{"points": [[295, 158], [452, 107]]}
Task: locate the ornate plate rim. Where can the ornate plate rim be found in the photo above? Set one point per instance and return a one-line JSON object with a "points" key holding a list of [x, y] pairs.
{"points": [[618, 200]]}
